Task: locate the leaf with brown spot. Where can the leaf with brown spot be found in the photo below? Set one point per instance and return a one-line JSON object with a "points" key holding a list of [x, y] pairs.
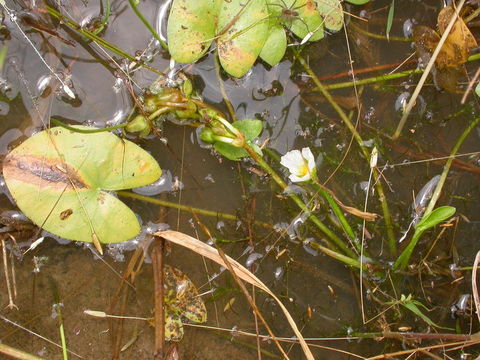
{"points": [[59, 179], [243, 26], [191, 28]]}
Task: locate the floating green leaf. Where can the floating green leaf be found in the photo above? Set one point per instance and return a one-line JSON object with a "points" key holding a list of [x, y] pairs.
{"points": [[181, 300], [332, 13], [357, 2], [300, 16], [274, 48], [60, 178], [191, 28], [243, 29]]}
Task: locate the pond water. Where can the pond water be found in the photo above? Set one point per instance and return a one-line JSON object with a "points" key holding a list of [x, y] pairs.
{"points": [[321, 293]]}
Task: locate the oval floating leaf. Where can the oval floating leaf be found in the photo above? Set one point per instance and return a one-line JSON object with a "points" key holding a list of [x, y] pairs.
{"points": [[191, 28], [274, 48], [243, 29], [437, 216], [58, 179]]}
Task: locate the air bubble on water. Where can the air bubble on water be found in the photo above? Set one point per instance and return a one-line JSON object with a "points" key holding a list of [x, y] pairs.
{"points": [[252, 258], [368, 143], [278, 273], [38, 262], [363, 185], [220, 225], [401, 101], [161, 17], [308, 248], [294, 230], [4, 108], [293, 189], [280, 227], [210, 178], [408, 28], [164, 184], [54, 310]]}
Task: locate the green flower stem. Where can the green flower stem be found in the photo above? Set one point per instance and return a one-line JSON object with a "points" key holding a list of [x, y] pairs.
{"points": [[86, 131], [402, 260], [377, 36], [340, 257], [133, 4], [372, 80], [383, 78], [376, 174], [339, 214], [98, 40], [335, 240], [106, 16], [187, 208]]}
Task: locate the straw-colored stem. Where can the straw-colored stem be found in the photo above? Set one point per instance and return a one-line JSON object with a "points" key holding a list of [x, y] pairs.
{"points": [[190, 209]]}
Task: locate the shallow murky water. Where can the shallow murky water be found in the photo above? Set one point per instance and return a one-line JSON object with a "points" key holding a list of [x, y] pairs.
{"points": [[322, 294]]}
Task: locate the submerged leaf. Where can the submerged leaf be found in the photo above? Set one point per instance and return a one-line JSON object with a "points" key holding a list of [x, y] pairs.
{"points": [[243, 30], [191, 28], [181, 300], [454, 52], [58, 179]]}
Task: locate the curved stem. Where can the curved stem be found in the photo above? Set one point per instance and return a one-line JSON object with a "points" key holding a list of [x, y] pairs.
{"points": [[147, 24]]}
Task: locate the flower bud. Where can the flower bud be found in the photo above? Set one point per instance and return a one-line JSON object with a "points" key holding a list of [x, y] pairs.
{"points": [[138, 125]]}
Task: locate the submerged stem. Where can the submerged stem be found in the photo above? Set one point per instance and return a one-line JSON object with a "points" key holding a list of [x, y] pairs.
{"points": [[363, 148], [404, 257], [333, 239]]}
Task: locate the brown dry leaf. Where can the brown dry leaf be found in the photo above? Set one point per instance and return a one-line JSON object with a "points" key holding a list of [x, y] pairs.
{"points": [[206, 250], [455, 50]]}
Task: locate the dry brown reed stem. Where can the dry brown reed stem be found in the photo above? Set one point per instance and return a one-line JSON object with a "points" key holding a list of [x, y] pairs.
{"points": [[17, 354], [11, 304], [119, 300], [392, 355], [203, 249]]}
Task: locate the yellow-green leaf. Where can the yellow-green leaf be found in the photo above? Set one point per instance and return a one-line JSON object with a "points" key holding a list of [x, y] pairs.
{"points": [[59, 179], [242, 30], [191, 28]]}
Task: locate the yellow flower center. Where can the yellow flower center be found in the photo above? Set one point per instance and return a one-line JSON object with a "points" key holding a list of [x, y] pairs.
{"points": [[302, 170]]}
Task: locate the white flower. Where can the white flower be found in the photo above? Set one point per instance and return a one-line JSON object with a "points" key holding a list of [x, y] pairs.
{"points": [[300, 164]]}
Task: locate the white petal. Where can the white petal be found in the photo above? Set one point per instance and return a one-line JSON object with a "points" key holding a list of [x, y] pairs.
{"points": [[292, 159], [308, 156], [295, 178]]}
